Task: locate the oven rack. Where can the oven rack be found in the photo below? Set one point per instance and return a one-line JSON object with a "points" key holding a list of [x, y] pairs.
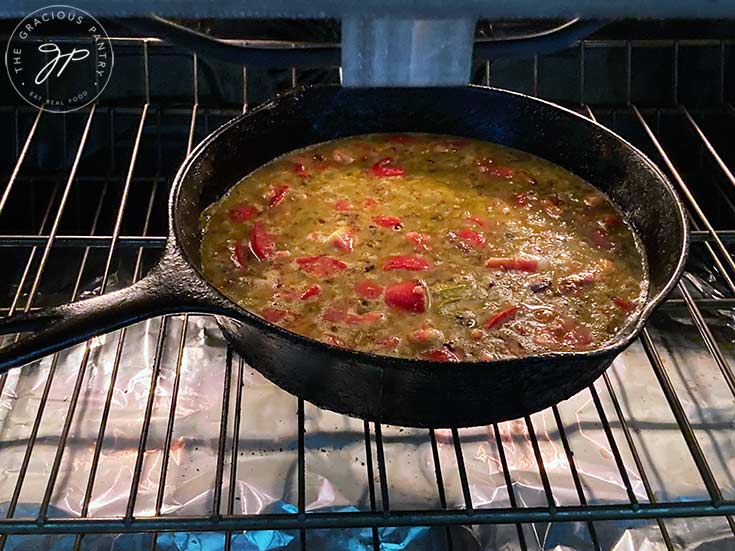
{"points": [[712, 237]]}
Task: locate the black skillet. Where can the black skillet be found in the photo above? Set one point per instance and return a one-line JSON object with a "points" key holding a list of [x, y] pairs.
{"points": [[378, 388]]}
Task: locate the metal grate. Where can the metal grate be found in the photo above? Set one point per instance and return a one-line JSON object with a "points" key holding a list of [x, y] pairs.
{"points": [[84, 208]]}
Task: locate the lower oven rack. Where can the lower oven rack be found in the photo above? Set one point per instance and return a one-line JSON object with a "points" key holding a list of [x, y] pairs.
{"points": [[123, 153]]}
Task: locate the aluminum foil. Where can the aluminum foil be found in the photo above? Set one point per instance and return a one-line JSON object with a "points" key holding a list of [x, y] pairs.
{"points": [[335, 454]]}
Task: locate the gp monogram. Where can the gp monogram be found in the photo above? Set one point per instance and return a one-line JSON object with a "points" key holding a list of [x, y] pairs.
{"points": [[59, 58]]}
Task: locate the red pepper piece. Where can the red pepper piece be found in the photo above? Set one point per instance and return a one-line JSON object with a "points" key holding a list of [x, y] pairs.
{"points": [[279, 194], [420, 241], [500, 317], [406, 295], [385, 169], [274, 315], [476, 240], [368, 289], [262, 243], [312, 291], [411, 263], [300, 169], [625, 305], [389, 343], [369, 202], [241, 213], [388, 221], [342, 239], [517, 264], [369, 317], [477, 220], [441, 355], [601, 239], [343, 205], [240, 254], [321, 266], [611, 221]]}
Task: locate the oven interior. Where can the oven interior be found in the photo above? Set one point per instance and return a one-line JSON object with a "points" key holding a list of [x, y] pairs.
{"points": [[158, 436]]}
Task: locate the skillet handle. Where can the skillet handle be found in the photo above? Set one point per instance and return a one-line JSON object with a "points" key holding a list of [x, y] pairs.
{"points": [[163, 291]]}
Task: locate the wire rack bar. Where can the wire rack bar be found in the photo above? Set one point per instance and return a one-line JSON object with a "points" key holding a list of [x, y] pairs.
{"points": [[367, 519]]}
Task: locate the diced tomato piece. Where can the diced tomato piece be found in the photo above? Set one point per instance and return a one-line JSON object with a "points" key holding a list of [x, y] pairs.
{"points": [[625, 305], [500, 171], [575, 282], [401, 138], [521, 199], [321, 266], [441, 355], [262, 243], [289, 295], [334, 315], [420, 241], [368, 289], [279, 194], [476, 240], [312, 291], [500, 317], [593, 200], [274, 315], [300, 169], [369, 202], [343, 205], [385, 169], [239, 254], [552, 208], [342, 156], [335, 340], [574, 334], [387, 221], [241, 213], [611, 221], [342, 239], [484, 164], [477, 220], [517, 264], [369, 317], [389, 343], [427, 334], [411, 263], [406, 295], [601, 239], [489, 167]]}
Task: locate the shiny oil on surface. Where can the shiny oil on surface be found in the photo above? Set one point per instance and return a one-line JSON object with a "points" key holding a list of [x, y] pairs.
{"points": [[426, 246]]}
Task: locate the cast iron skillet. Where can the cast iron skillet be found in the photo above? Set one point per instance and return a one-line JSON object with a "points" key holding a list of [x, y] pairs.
{"points": [[390, 390]]}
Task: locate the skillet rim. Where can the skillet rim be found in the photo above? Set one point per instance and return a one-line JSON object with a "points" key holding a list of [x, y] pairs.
{"points": [[625, 337]]}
